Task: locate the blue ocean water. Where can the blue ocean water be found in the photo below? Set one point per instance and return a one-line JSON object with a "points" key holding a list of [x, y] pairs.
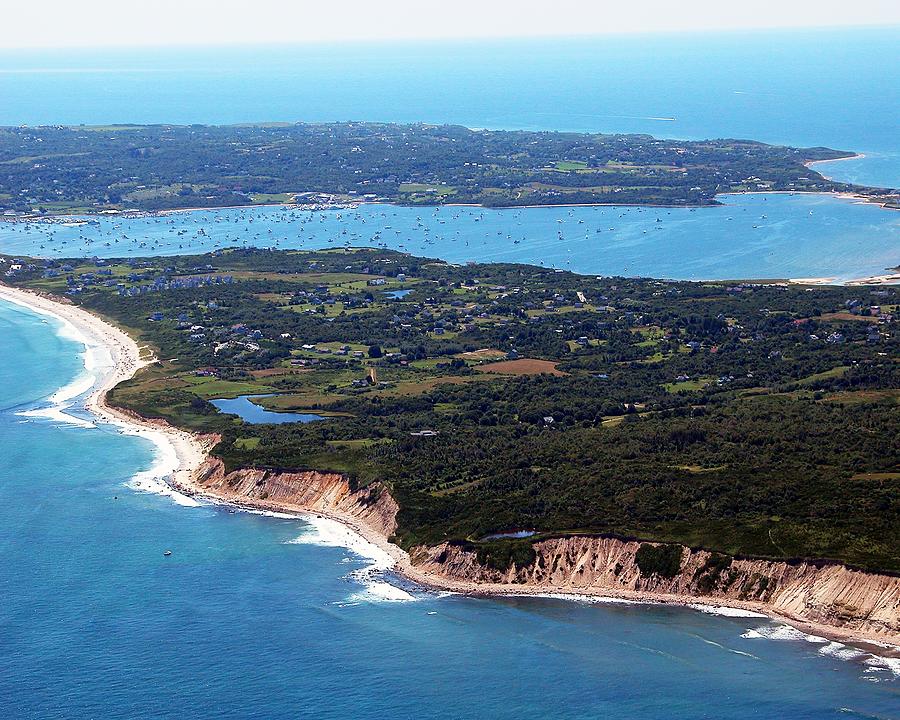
{"points": [[751, 236], [272, 617]]}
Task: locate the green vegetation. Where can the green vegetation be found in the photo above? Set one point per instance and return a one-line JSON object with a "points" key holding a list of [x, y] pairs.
{"points": [[662, 560], [77, 169], [501, 554], [749, 419]]}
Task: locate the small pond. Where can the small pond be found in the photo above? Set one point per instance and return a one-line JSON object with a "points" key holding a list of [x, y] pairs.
{"points": [[514, 534], [248, 411], [397, 294]]}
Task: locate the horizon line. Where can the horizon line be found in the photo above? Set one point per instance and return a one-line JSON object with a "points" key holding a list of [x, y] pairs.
{"points": [[450, 39]]}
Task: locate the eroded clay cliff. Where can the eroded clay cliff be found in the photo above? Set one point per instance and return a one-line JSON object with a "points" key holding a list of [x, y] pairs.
{"points": [[812, 592], [305, 491], [827, 594]]}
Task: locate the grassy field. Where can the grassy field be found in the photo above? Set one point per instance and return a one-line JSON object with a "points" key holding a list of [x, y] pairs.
{"points": [[523, 366]]}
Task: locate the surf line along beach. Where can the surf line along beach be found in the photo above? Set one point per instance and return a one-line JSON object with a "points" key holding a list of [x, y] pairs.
{"points": [[112, 356]]}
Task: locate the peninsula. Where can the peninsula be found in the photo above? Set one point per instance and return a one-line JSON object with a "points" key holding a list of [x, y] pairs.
{"points": [[84, 169], [514, 428]]}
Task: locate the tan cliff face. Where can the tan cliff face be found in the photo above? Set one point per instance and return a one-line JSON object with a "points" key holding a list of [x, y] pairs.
{"points": [[304, 491], [827, 594], [830, 595]]}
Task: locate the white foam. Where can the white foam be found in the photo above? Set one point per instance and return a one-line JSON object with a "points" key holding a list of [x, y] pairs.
{"points": [[829, 648], [330, 533], [98, 360], [57, 413], [782, 632], [95, 358], [876, 663], [165, 463], [726, 611], [588, 599], [841, 651]]}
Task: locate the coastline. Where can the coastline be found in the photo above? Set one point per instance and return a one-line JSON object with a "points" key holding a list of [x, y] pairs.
{"points": [[188, 452], [714, 202], [403, 566], [854, 156], [182, 451]]}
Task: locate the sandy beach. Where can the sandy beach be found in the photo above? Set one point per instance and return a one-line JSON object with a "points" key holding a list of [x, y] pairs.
{"points": [[182, 452], [811, 163], [185, 453]]}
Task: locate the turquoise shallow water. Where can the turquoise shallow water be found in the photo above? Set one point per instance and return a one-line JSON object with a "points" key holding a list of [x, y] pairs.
{"points": [[751, 236], [267, 617]]}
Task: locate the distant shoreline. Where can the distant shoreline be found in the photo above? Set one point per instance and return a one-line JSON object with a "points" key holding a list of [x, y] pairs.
{"points": [[137, 212], [855, 156]]}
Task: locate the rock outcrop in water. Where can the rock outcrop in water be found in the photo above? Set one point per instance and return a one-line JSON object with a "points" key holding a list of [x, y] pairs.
{"points": [[808, 592]]}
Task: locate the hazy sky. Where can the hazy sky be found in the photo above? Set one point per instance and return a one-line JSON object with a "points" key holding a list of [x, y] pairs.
{"points": [[160, 22]]}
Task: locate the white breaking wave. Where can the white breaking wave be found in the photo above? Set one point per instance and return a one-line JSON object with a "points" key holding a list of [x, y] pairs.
{"points": [[165, 463], [588, 599], [726, 611], [97, 360], [876, 663], [782, 632], [330, 533], [841, 651], [828, 648], [57, 413]]}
